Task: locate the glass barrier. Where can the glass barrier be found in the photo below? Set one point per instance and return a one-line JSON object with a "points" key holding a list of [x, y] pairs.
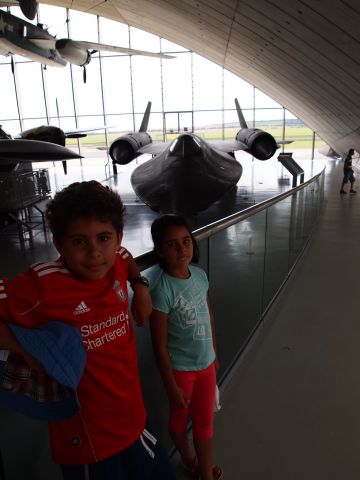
{"points": [[247, 264], [236, 264]]}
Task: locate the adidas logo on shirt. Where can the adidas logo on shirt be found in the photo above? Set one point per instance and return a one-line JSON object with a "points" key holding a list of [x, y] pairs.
{"points": [[81, 308]]}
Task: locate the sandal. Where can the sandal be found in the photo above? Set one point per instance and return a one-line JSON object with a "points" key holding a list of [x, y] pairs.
{"points": [[193, 469], [217, 472]]}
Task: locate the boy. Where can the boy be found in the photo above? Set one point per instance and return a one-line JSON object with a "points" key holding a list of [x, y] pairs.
{"points": [[348, 172], [86, 288]]}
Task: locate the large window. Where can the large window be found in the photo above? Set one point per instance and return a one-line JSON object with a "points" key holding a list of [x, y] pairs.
{"points": [[188, 93]]}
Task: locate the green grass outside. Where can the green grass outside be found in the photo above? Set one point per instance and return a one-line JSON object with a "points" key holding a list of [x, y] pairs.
{"points": [[301, 136]]}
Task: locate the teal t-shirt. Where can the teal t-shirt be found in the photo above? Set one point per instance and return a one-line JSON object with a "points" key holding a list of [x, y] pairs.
{"points": [[190, 343]]}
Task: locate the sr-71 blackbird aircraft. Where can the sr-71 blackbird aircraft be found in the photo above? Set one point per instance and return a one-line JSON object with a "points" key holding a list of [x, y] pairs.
{"points": [[23, 38], [14, 152], [188, 174], [43, 133]]}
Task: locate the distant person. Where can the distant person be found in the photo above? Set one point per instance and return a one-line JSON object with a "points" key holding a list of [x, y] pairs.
{"points": [[348, 172], [183, 335], [43, 184], [87, 288]]}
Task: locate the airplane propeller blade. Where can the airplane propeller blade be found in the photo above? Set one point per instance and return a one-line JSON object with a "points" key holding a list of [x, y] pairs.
{"points": [[84, 73]]}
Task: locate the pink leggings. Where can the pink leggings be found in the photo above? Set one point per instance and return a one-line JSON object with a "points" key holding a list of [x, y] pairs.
{"points": [[199, 386]]}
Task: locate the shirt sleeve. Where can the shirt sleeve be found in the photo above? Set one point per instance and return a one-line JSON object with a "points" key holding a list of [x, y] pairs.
{"points": [[19, 300], [160, 299]]}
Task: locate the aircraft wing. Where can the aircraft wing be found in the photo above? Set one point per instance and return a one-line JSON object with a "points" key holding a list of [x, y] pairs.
{"points": [[45, 43], [234, 145], [113, 48], [33, 151], [227, 145], [154, 148], [82, 132]]}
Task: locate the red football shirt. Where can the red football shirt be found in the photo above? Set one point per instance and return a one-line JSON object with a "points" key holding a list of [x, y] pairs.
{"points": [[112, 414]]}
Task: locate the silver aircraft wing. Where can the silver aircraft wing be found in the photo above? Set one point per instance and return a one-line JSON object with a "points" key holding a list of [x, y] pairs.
{"points": [[114, 48]]}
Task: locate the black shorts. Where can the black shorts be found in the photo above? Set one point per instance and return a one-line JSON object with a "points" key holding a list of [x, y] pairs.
{"points": [[146, 459], [349, 177]]}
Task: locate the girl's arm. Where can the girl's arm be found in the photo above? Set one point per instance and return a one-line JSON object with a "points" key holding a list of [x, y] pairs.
{"points": [[158, 324], [212, 322], [141, 304]]}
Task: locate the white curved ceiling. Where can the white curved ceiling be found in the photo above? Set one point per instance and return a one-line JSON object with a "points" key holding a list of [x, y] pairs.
{"points": [[305, 54]]}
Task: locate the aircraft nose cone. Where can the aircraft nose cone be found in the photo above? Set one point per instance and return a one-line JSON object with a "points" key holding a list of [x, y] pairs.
{"points": [[185, 146]]}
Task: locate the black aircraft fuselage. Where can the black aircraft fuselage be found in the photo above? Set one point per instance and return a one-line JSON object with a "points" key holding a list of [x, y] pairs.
{"points": [[187, 177], [189, 174]]}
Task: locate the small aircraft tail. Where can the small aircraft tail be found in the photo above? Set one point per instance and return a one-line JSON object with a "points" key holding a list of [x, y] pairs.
{"points": [[145, 120], [242, 121]]}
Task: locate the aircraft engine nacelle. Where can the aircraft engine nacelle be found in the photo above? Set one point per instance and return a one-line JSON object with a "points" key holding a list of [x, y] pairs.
{"points": [[125, 148], [260, 144], [72, 53], [44, 133]]}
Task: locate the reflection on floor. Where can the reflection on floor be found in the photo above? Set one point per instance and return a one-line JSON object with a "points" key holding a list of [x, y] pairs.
{"points": [[259, 181]]}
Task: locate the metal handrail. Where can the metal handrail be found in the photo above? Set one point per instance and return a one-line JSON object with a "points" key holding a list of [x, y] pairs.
{"points": [[148, 259]]}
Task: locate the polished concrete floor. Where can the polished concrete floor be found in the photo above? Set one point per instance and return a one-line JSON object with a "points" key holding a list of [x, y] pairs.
{"points": [[290, 407]]}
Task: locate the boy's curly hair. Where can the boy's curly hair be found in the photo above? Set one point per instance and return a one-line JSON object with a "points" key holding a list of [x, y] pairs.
{"points": [[84, 200]]}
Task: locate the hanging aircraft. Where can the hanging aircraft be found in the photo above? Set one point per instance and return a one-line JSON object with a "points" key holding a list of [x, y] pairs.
{"points": [[46, 133], [53, 134], [15, 152], [188, 174], [19, 37]]}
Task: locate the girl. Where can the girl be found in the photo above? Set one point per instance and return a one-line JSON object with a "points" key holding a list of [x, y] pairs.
{"points": [[182, 328]]}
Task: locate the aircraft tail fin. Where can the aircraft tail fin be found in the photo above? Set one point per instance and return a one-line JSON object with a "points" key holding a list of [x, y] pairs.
{"points": [[145, 120], [242, 121]]}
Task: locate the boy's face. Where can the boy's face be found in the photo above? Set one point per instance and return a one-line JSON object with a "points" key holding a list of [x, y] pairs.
{"points": [[88, 247]]}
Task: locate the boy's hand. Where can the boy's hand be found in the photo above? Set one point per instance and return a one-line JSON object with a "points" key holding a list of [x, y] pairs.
{"points": [[141, 305]]}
